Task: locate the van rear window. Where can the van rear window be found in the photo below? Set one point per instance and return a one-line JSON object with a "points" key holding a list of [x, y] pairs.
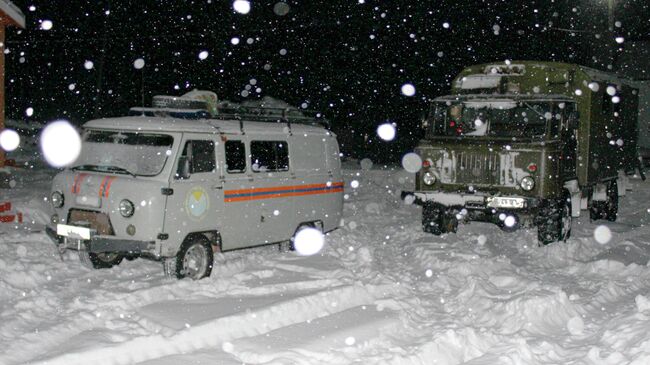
{"points": [[268, 156]]}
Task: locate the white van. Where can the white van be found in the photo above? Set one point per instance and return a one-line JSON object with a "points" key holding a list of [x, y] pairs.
{"points": [[176, 190]]}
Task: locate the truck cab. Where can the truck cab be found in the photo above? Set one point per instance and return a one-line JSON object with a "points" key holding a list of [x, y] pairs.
{"points": [[501, 159]]}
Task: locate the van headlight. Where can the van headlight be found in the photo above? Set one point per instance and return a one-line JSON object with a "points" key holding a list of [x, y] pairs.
{"points": [[527, 183], [57, 199], [126, 208], [429, 178]]}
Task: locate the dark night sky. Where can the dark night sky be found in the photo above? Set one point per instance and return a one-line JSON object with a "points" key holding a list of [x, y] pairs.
{"points": [[343, 58]]}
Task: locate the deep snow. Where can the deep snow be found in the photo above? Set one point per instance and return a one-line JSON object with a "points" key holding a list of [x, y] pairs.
{"points": [[380, 292]]}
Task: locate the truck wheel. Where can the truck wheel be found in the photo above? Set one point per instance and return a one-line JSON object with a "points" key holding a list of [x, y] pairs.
{"points": [[547, 232], [607, 209], [103, 260], [432, 219], [611, 205], [194, 259], [557, 221], [566, 219]]}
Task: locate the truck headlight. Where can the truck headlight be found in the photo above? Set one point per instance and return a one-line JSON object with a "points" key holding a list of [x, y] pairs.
{"points": [[429, 178], [527, 183], [57, 199], [126, 208]]}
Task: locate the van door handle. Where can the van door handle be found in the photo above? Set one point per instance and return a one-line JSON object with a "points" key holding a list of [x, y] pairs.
{"points": [[217, 187]]}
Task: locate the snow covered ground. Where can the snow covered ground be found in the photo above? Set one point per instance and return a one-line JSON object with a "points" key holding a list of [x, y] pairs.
{"points": [[381, 292]]}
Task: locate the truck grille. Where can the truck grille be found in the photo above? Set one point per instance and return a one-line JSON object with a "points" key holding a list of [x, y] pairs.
{"points": [[477, 168], [93, 220]]}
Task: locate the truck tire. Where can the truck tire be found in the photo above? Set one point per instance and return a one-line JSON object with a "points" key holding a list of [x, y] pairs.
{"points": [[611, 205], [607, 209], [103, 260], [557, 221], [194, 260], [566, 217], [432, 219]]}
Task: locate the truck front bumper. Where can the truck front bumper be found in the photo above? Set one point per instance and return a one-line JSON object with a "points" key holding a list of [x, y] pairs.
{"points": [[470, 201], [87, 239]]}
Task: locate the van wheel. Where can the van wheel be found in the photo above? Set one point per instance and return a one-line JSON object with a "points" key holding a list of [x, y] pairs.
{"points": [[194, 259], [103, 260], [287, 246], [432, 219]]}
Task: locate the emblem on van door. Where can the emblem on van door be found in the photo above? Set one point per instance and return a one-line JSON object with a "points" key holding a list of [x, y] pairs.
{"points": [[197, 203]]}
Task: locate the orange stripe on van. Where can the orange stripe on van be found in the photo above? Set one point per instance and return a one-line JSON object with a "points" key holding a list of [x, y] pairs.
{"points": [[281, 192], [101, 186], [107, 188], [76, 185]]}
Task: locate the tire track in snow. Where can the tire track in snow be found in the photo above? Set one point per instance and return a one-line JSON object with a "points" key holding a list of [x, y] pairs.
{"points": [[214, 333]]}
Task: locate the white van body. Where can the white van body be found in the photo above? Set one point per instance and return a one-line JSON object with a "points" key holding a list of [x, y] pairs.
{"points": [[250, 183]]}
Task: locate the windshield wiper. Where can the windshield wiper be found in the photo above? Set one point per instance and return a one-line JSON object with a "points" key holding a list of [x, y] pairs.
{"points": [[533, 109], [102, 168], [86, 167], [119, 170]]}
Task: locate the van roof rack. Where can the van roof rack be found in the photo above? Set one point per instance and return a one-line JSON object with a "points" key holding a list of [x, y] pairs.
{"points": [[267, 114]]}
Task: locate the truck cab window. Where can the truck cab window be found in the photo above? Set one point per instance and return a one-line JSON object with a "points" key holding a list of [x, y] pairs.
{"points": [[235, 157], [198, 156]]}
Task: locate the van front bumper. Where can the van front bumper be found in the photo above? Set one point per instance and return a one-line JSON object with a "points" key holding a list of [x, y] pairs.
{"points": [[96, 243]]}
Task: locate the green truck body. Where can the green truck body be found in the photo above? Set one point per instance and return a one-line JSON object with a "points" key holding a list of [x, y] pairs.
{"points": [[527, 143]]}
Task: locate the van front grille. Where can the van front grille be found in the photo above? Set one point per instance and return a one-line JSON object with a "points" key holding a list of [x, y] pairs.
{"points": [[93, 220]]}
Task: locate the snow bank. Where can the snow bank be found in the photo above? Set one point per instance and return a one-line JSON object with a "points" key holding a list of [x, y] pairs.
{"points": [[380, 292]]}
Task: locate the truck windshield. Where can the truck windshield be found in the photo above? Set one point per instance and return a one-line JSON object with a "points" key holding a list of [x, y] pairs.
{"points": [[129, 153], [500, 118]]}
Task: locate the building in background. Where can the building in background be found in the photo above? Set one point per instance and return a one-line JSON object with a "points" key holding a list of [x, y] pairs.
{"points": [[10, 15]]}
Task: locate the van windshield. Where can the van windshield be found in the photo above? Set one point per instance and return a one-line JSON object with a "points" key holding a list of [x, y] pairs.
{"points": [[500, 118], [129, 153]]}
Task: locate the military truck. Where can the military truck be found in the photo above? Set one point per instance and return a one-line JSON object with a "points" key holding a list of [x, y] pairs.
{"points": [[526, 144]]}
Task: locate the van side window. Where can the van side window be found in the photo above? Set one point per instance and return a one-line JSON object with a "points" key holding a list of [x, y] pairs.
{"points": [[200, 157], [235, 157], [267, 156]]}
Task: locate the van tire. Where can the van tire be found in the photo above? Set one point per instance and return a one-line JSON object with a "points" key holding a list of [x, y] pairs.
{"points": [[103, 260], [287, 246], [194, 259]]}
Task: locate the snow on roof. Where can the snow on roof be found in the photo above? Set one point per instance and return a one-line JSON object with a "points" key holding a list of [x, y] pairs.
{"points": [[13, 12], [480, 81], [504, 97]]}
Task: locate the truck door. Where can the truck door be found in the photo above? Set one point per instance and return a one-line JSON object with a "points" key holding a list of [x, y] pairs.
{"points": [[195, 195]]}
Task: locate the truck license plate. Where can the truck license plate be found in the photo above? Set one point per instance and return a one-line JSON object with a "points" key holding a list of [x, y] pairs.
{"points": [[73, 231], [501, 202]]}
